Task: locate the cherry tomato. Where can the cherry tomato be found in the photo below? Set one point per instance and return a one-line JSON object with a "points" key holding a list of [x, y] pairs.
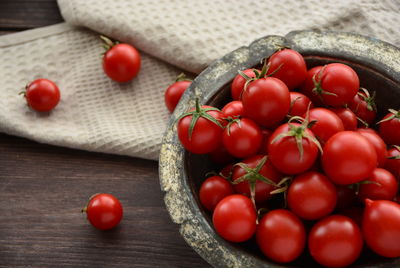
{"points": [[311, 196], [377, 143], [175, 91], [242, 138], [381, 227], [234, 218], [233, 109], [213, 190], [289, 66], [299, 103], [382, 185], [335, 241], [281, 236], [266, 101], [42, 95], [239, 82], [389, 128], [121, 62], [348, 158], [327, 123], [308, 86], [104, 211], [393, 161], [364, 107], [349, 119]]}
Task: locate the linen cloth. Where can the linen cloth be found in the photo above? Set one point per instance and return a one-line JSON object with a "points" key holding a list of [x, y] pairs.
{"points": [[100, 115]]}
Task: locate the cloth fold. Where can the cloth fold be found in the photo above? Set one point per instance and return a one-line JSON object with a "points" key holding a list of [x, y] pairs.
{"points": [[100, 115]]}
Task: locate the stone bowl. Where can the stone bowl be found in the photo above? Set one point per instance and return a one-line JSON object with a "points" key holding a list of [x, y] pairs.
{"points": [[181, 173]]}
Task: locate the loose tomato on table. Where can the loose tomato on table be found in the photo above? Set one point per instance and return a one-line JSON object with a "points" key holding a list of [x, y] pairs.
{"points": [[42, 95], [175, 91], [213, 190], [389, 127]]}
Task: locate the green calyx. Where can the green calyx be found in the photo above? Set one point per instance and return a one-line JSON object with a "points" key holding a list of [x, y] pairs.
{"points": [[370, 100], [283, 186], [394, 114], [182, 77], [231, 121], [317, 80], [108, 42]]}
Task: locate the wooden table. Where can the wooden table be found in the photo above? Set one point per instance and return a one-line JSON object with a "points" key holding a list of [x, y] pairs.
{"points": [[43, 188]]}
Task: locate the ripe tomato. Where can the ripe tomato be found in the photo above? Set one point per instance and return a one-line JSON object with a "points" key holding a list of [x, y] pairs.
{"points": [[377, 143], [311, 196], [335, 241], [389, 128], [175, 91], [381, 227], [349, 119], [238, 83], [348, 158], [200, 131], [104, 211], [281, 236], [233, 109], [292, 148], [42, 95], [364, 107], [328, 123], [307, 88], [253, 173], [121, 62], [234, 218], [299, 103], [393, 161], [242, 138], [266, 101], [289, 66], [382, 185], [213, 190]]}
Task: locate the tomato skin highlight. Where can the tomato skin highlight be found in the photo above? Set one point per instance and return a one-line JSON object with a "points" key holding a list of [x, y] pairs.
{"points": [[42, 95], [213, 190], [104, 211], [174, 93]]}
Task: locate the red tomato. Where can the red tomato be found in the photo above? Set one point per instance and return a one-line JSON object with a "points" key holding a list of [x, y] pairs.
{"points": [[393, 161], [311, 196], [381, 227], [377, 143], [175, 91], [226, 171], [389, 128], [255, 176], [364, 107], [335, 241], [281, 236], [289, 66], [348, 158], [266, 101], [238, 83], [213, 190], [382, 185], [307, 88], [121, 62], [233, 109], [42, 95], [242, 138], [104, 211], [349, 119], [328, 123], [235, 218], [284, 152], [206, 133], [299, 103]]}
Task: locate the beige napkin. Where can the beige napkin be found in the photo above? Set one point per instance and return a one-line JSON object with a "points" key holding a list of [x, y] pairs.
{"points": [[97, 114]]}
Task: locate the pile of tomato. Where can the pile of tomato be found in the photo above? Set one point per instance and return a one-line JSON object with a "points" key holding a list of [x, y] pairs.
{"points": [[305, 162]]}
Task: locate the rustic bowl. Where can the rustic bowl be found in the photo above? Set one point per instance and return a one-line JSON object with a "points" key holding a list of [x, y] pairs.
{"points": [[181, 173]]}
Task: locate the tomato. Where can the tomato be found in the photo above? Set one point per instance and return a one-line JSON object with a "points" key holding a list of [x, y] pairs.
{"points": [[289, 66], [238, 83], [266, 101], [327, 123], [233, 109], [349, 119], [255, 172], [226, 171], [382, 185], [307, 88], [281, 236], [364, 107], [292, 148], [234, 218], [377, 142], [348, 158], [335, 241], [393, 161], [337, 84], [121, 62], [200, 131], [242, 138], [175, 91], [299, 104], [381, 227], [104, 211], [311, 196], [42, 95], [213, 190], [389, 128]]}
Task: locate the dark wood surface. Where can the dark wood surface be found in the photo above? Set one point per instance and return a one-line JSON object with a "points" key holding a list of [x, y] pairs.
{"points": [[43, 188]]}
